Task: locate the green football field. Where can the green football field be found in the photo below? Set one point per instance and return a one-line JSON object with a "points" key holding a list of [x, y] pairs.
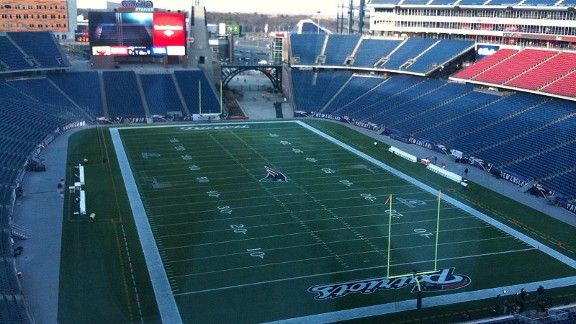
{"points": [[257, 222]]}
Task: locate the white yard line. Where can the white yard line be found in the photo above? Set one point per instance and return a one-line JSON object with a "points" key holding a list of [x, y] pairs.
{"points": [[526, 239], [162, 291], [327, 273]]}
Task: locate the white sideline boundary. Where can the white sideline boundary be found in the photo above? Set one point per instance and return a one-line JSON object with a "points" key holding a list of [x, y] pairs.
{"points": [[162, 291]]}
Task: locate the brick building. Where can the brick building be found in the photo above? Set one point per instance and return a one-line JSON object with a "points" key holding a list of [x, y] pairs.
{"points": [[58, 16]]}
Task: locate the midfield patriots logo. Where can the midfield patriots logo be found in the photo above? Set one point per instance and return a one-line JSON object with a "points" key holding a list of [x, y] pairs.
{"points": [[441, 280], [274, 175]]}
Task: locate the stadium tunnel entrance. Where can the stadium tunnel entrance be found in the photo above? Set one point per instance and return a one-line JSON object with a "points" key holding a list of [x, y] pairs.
{"points": [[272, 72]]}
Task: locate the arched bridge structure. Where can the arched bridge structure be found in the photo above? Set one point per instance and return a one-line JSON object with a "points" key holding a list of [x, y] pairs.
{"points": [[272, 72]]}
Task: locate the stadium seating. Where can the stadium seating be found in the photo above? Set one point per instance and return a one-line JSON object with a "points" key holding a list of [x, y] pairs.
{"points": [[471, 2], [11, 58], [395, 105], [338, 48], [545, 73], [306, 47], [530, 143], [564, 183], [485, 64], [410, 49], [5, 244], [532, 112], [307, 85], [564, 86], [8, 282], [13, 310], [42, 46], [548, 72], [439, 54], [83, 88], [188, 81], [521, 62], [501, 112], [415, 2], [393, 2], [438, 122], [371, 50], [392, 86], [122, 95], [161, 94], [539, 2], [353, 89], [43, 91]]}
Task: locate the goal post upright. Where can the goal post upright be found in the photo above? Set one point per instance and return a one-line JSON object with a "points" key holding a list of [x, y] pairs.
{"points": [[439, 201], [389, 235], [437, 231]]}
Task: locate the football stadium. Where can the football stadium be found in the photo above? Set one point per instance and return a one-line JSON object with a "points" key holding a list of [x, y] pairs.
{"points": [[419, 170]]}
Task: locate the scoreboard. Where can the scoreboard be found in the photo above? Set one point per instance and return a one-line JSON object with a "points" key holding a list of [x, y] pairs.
{"points": [[137, 33]]}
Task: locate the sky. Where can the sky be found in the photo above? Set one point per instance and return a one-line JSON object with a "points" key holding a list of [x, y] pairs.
{"points": [[305, 7]]}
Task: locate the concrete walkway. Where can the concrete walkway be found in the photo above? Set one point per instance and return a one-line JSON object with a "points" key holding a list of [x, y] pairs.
{"points": [[40, 212]]}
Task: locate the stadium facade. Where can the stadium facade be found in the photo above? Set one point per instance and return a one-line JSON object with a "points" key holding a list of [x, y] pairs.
{"points": [[58, 16], [539, 23]]}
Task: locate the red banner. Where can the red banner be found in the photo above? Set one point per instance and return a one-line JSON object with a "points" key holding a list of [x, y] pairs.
{"points": [[169, 29]]}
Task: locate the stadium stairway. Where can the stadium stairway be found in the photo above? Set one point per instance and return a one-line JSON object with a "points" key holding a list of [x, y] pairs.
{"points": [[180, 95], [103, 95], [142, 97]]}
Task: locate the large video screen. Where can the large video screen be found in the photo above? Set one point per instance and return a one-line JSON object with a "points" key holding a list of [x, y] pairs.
{"points": [[137, 33]]}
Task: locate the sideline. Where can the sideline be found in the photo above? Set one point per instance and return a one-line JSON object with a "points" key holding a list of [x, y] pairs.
{"points": [[162, 290]]}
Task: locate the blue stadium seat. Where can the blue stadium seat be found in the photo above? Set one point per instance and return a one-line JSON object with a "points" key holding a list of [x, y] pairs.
{"points": [[390, 2], [308, 85], [307, 47], [471, 2], [12, 56], [444, 2], [392, 86], [440, 54], [372, 50], [43, 91], [42, 46], [122, 95], [161, 94], [415, 2], [83, 88], [411, 48], [8, 282], [503, 2], [339, 47], [353, 89], [13, 310], [188, 81], [539, 2], [435, 122]]}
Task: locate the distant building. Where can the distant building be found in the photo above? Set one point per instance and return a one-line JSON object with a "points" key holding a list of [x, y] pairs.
{"points": [[58, 16]]}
